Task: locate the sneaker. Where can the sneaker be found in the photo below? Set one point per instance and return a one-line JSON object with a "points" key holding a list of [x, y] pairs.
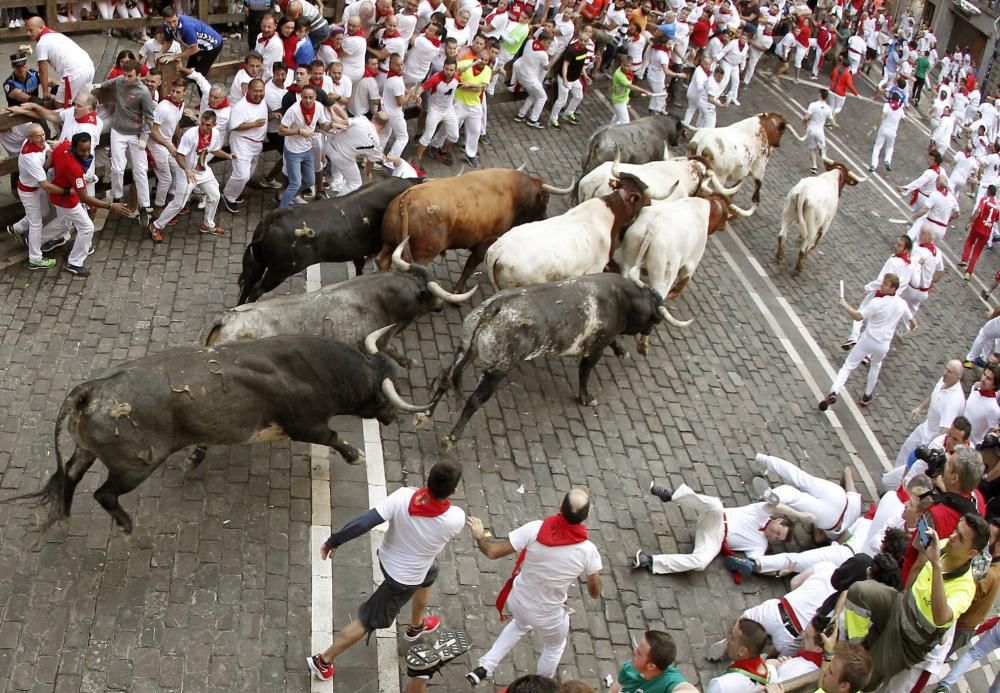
{"points": [[741, 565], [735, 102], [967, 276], [554, 124], [144, 213], [825, 403], [217, 230], [78, 270], [320, 669], [661, 492], [429, 625], [813, 170], [535, 124], [888, 166], [91, 250], [968, 364], [642, 560], [978, 362], [866, 400], [184, 211], [761, 461], [871, 169], [449, 644], [299, 200], [848, 344], [231, 206], [867, 360], [446, 158], [571, 117], [272, 184], [156, 233], [484, 138], [44, 263], [471, 161], [476, 676], [519, 118], [201, 203], [16, 235], [49, 246], [762, 490], [963, 263], [984, 294]]}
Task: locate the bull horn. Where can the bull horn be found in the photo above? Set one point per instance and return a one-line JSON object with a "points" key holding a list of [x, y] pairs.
{"points": [[553, 190], [634, 276], [688, 126], [666, 151], [856, 178], [397, 255], [522, 167], [449, 297], [713, 180], [389, 390], [740, 212], [672, 320], [461, 170], [371, 341], [800, 138], [829, 162], [614, 164]]}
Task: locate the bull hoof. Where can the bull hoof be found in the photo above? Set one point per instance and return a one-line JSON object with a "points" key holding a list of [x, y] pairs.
{"points": [[625, 355], [194, 460], [447, 443], [358, 459], [592, 402], [420, 420]]}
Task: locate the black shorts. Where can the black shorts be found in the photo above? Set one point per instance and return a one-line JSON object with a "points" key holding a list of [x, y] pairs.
{"points": [[871, 53], [381, 609]]}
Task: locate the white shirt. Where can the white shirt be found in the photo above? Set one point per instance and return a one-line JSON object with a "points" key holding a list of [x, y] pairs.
{"points": [[365, 91], [696, 86], [352, 57], [806, 599], [498, 22], [360, 137], [245, 112], [167, 115], [965, 165], [939, 206], [64, 55], [548, 571], [70, 127], [419, 58], [271, 51], [658, 62], [924, 265], [326, 53], [942, 133], [817, 114], [744, 529], [393, 88], [13, 139], [734, 54], [31, 167], [343, 89], [413, 542], [188, 147], [153, 49], [406, 24], [530, 67], [713, 88], [926, 182], [945, 405], [273, 94], [636, 48], [293, 118], [894, 265], [463, 35], [856, 46], [396, 44], [236, 90], [424, 12], [882, 314], [982, 412], [735, 682], [891, 118]]}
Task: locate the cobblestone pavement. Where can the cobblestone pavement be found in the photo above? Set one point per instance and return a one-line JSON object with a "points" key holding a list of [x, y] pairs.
{"points": [[213, 591]]}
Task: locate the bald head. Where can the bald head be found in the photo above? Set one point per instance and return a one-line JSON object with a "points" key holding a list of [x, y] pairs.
{"points": [[34, 130], [380, 119], [575, 506], [952, 372], [926, 234], [942, 181], [33, 27]]}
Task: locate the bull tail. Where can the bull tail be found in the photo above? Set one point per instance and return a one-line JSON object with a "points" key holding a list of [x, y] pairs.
{"points": [[640, 258], [491, 270]]}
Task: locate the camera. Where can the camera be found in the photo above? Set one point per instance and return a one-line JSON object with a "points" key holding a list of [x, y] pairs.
{"points": [[934, 457]]}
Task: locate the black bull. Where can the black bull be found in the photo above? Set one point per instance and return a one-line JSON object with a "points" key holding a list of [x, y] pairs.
{"points": [[341, 229], [257, 391], [638, 142]]}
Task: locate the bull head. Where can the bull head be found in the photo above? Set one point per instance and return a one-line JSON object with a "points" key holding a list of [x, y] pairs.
{"points": [[388, 387], [633, 276], [402, 265]]}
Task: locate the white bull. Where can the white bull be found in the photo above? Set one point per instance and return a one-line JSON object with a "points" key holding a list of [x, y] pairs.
{"points": [[659, 176], [811, 205], [741, 149]]}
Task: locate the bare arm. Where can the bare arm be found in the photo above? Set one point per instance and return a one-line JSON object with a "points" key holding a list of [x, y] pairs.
{"points": [[34, 110], [497, 549], [594, 586], [853, 312]]}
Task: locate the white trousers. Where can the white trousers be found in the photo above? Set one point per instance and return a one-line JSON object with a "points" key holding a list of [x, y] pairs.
{"points": [[821, 498], [706, 115], [914, 299], [621, 115], [657, 85], [856, 324], [887, 140], [803, 560], [753, 57], [708, 534], [471, 118], [731, 76], [205, 183], [397, 121], [767, 615], [35, 205], [347, 166], [247, 153], [866, 346], [66, 220], [835, 102], [535, 103], [72, 85], [162, 169], [985, 341], [853, 61], [551, 628], [572, 92], [124, 147], [445, 117]]}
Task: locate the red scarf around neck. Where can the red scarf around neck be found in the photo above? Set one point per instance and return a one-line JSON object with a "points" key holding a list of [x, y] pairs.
{"points": [[895, 105], [659, 47], [45, 30], [370, 73], [754, 669], [264, 40], [988, 393], [814, 657], [90, 118], [308, 114], [31, 148], [387, 35], [204, 140], [318, 85], [423, 504], [222, 104], [435, 40], [393, 73], [555, 531], [930, 246], [294, 88], [537, 46], [904, 256]]}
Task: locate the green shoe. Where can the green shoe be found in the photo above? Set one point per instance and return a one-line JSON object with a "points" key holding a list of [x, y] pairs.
{"points": [[44, 263]]}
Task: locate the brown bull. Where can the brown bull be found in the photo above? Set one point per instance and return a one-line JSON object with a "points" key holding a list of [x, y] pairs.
{"points": [[467, 212]]}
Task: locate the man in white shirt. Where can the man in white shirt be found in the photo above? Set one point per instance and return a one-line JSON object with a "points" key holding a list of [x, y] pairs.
{"points": [[459, 28], [390, 42], [300, 126], [985, 341], [785, 619], [927, 266], [440, 106], [30, 173], [166, 117], [393, 99], [248, 130], [748, 672], [74, 70], [269, 46], [535, 595], [421, 523], [355, 49], [920, 188], [815, 120], [274, 93], [881, 317], [696, 86], [365, 96], [529, 71], [748, 529], [937, 211], [252, 69], [420, 56], [888, 124], [964, 167], [898, 264], [360, 138]]}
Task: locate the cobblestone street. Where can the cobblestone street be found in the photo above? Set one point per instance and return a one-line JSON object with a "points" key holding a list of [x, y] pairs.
{"points": [[215, 589]]}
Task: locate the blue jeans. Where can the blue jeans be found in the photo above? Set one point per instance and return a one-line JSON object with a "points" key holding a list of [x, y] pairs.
{"points": [[301, 172], [989, 641]]}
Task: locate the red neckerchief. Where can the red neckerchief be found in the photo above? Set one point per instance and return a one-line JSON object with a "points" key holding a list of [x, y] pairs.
{"points": [[223, 104], [635, 38], [930, 247], [307, 115], [328, 41], [555, 531], [90, 118], [629, 74], [251, 100], [294, 88], [264, 40], [31, 148], [359, 32], [435, 40], [319, 85], [477, 69], [393, 73], [370, 73], [204, 140], [537, 46], [988, 393], [936, 169], [423, 504], [45, 30], [904, 256], [387, 35], [381, 15], [754, 669], [459, 26], [492, 15], [707, 72], [879, 294], [741, 43], [657, 47], [895, 105], [814, 657]]}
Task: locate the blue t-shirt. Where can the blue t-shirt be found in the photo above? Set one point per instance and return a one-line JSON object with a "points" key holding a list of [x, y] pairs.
{"points": [[191, 31], [305, 53], [29, 86], [669, 29]]}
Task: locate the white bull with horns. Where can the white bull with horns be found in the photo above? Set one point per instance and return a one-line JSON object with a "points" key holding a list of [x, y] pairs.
{"points": [[811, 205]]}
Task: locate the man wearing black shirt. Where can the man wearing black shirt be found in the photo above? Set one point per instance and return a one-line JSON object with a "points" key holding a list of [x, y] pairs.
{"points": [[24, 84], [572, 77]]}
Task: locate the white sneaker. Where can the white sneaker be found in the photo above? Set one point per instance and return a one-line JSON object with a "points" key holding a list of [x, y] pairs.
{"points": [[299, 200]]}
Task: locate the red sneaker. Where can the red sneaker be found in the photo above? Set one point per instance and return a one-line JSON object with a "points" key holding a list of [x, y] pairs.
{"points": [[320, 669], [156, 233], [429, 625], [217, 230]]}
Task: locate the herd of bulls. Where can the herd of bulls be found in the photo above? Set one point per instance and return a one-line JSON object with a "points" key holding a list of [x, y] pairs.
{"points": [[281, 368]]}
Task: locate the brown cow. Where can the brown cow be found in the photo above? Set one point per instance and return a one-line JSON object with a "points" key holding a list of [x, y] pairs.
{"points": [[462, 212]]}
